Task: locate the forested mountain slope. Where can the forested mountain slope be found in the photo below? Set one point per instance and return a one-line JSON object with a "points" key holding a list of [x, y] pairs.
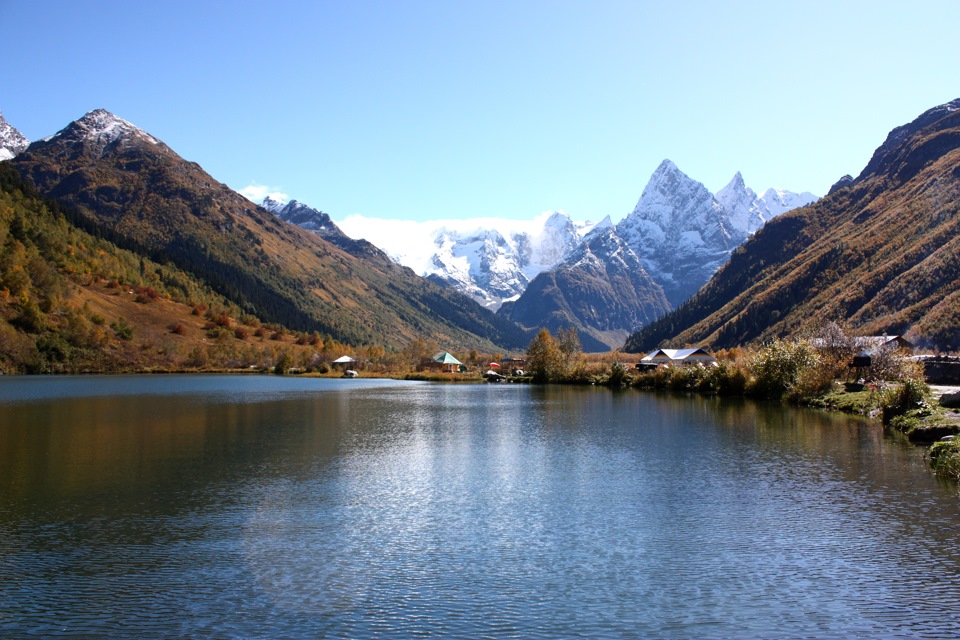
{"points": [[132, 189]]}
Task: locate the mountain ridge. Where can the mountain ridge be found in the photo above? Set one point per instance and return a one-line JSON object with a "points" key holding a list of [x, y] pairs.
{"points": [[880, 253], [135, 190], [12, 142], [676, 238]]}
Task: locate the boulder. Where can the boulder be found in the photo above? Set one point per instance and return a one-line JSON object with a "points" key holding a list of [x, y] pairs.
{"points": [[950, 400]]}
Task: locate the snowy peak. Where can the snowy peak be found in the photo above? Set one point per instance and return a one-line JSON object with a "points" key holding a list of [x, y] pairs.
{"points": [[303, 216], [490, 259], [273, 206], [683, 233], [100, 131], [669, 199], [740, 204], [777, 201], [12, 142]]}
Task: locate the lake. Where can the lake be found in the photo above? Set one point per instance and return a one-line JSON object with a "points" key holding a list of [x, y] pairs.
{"points": [[264, 507]]}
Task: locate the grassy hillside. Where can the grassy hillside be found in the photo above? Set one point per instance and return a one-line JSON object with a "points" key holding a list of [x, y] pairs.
{"points": [[71, 301]]}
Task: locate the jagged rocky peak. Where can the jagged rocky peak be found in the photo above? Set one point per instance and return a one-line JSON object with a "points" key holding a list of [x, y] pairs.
{"points": [[747, 212], [12, 142], [740, 204], [672, 199], [776, 201], [304, 216], [845, 181], [559, 237], [99, 131], [881, 156], [273, 205]]}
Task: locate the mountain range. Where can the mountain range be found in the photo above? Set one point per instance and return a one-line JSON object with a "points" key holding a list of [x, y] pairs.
{"points": [[630, 274], [880, 253], [491, 260], [132, 189], [494, 261]]}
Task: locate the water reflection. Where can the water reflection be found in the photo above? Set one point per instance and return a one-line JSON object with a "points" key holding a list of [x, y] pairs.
{"points": [[463, 511]]}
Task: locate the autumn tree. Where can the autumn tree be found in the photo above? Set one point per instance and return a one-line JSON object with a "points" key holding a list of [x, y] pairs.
{"points": [[544, 357], [568, 342]]}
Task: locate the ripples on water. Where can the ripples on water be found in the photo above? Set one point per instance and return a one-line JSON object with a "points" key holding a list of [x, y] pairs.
{"points": [[221, 510]]}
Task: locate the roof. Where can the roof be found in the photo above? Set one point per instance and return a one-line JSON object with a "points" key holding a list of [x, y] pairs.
{"points": [[445, 357], [676, 354], [343, 360], [878, 341]]}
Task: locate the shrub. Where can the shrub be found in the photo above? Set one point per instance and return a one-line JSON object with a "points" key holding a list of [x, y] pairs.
{"points": [[911, 395], [146, 295], [778, 365], [945, 458], [618, 374], [216, 332], [728, 379], [813, 381], [177, 328], [241, 333], [123, 330]]}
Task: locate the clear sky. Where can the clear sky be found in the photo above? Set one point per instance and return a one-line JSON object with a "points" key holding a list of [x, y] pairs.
{"points": [[453, 109]]}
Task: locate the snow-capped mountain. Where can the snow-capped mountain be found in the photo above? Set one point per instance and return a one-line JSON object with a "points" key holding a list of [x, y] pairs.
{"points": [[99, 131], [491, 260], [683, 233], [680, 231], [777, 201], [12, 142], [602, 278], [659, 255], [601, 289], [748, 212], [493, 266]]}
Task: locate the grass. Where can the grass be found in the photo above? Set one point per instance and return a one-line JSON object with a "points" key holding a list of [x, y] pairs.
{"points": [[865, 402]]}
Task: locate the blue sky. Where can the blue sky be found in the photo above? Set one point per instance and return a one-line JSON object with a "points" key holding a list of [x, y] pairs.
{"points": [[426, 110]]}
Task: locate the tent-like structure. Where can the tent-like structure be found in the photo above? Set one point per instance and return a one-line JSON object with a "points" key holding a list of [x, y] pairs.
{"points": [[447, 361]]}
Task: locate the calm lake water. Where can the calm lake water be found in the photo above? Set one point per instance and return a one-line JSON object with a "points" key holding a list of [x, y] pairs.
{"points": [[263, 507]]}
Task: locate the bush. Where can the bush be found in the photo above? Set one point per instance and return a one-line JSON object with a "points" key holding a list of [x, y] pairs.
{"points": [[146, 295], [945, 458], [777, 367], [123, 330], [812, 382], [618, 374], [910, 396]]}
